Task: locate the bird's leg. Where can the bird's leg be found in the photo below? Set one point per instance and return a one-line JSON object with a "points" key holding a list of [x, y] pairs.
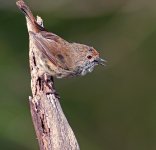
{"points": [[49, 84]]}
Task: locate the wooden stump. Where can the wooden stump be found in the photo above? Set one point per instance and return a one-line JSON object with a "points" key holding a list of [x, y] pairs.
{"points": [[52, 128]]}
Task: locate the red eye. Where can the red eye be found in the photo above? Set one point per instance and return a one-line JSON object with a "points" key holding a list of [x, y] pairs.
{"points": [[89, 56]]}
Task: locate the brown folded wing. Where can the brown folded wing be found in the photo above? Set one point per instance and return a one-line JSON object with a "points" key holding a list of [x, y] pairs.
{"points": [[50, 46]]}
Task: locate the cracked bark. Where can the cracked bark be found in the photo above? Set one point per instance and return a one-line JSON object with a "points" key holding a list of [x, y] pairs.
{"points": [[52, 128]]}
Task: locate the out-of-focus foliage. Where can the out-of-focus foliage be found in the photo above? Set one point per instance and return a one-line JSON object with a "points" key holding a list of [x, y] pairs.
{"points": [[113, 107]]}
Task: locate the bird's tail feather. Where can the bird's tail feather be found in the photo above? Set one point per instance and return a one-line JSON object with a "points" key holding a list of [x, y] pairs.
{"points": [[27, 12]]}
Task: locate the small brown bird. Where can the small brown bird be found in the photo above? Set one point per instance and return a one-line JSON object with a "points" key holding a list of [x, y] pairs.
{"points": [[56, 56]]}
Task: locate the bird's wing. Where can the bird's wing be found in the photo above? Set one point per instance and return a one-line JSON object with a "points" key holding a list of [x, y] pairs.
{"points": [[49, 45]]}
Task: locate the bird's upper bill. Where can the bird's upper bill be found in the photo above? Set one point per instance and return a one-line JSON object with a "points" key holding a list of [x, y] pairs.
{"points": [[100, 61]]}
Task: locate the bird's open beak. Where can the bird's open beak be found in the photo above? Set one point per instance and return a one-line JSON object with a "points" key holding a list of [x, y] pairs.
{"points": [[100, 61]]}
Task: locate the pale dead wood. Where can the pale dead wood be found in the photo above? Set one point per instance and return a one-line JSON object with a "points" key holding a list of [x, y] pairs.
{"points": [[52, 128]]}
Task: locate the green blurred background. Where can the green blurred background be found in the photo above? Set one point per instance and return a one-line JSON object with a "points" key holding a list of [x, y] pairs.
{"points": [[113, 108]]}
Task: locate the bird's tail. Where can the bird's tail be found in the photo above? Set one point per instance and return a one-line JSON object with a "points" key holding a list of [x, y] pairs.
{"points": [[28, 14]]}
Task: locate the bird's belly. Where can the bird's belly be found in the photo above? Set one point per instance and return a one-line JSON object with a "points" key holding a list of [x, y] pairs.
{"points": [[47, 66]]}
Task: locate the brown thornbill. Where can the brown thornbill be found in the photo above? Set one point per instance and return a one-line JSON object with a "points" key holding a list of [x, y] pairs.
{"points": [[56, 56]]}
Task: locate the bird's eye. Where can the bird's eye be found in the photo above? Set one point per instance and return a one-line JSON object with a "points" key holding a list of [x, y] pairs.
{"points": [[91, 49], [89, 56]]}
